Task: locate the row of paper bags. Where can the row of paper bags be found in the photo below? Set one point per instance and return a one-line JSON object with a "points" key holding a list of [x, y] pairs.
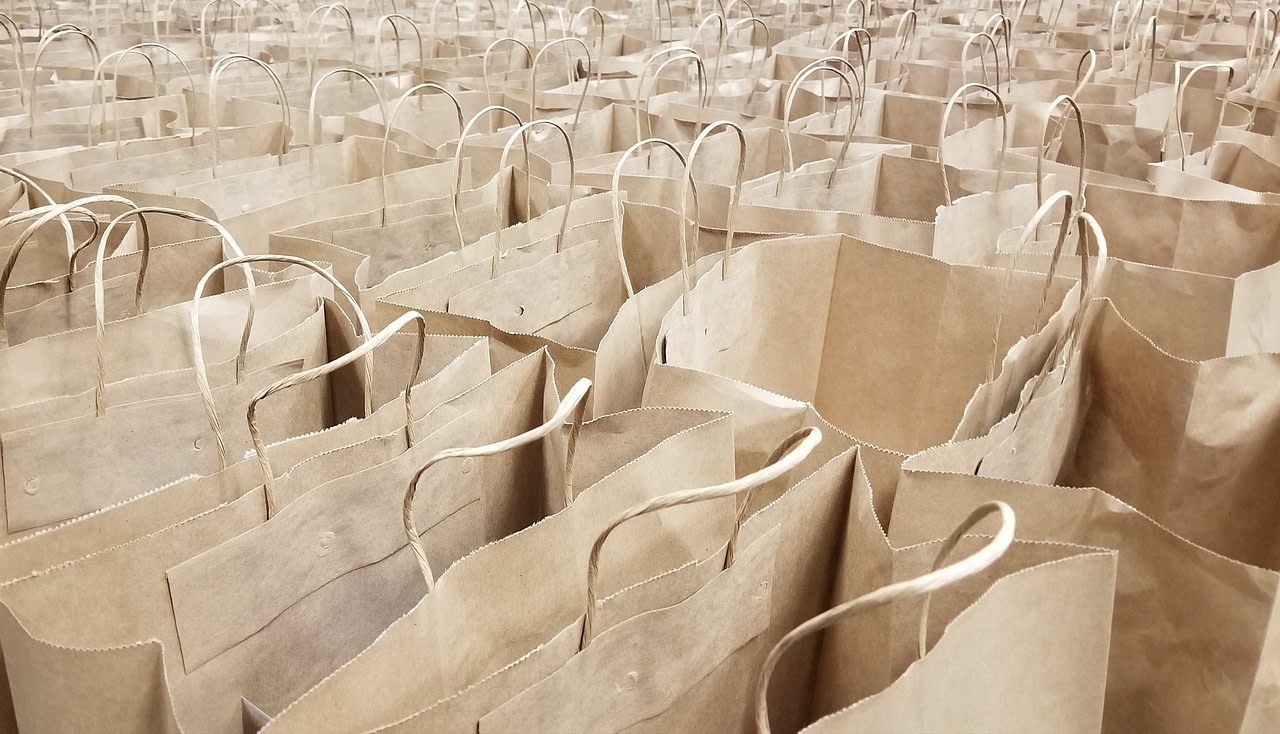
{"points": [[878, 368]]}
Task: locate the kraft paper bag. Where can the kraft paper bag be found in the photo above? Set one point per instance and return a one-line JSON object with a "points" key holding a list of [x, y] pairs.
{"points": [[716, 683], [895, 668], [173, 269], [602, 450], [279, 307], [1185, 617], [461, 712], [161, 560], [476, 521], [1182, 443], [793, 316], [1223, 171], [395, 677], [1186, 234], [453, 366]]}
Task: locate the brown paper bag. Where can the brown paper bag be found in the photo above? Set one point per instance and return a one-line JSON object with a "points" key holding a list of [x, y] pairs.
{"points": [[739, 326], [82, 464], [174, 270], [298, 464], [1223, 171], [281, 308], [1186, 234], [680, 661], [1191, 636], [161, 550], [1053, 603], [1169, 457], [599, 451], [391, 679]]}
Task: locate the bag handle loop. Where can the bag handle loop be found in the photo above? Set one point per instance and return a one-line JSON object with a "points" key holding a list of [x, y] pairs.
{"points": [[795, 449], [215, 110], [362, 352], [574, 403], [457, 161], [616, 192], [946, 118], [939, 578], [197, 352], [523, 134]]}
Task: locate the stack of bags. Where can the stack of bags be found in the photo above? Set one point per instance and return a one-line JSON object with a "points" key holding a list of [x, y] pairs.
{"points": [[887, 367]]}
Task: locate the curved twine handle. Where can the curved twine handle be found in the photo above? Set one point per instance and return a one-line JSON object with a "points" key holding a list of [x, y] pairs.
{"points": [[1255, 30], [54, 34], [1116, 10], [97, 96], [768, 45], [593, 10], [794, 450], [138, 48], [99, 291], [14, 33], [903, 34], [530, 8], [85, 215], [479, 19], [574, 403], [982, 57], [677, 53], [723, 26], [197, 351], [313, 49], [362, 352], [251, 19], [386, 131], [937, 579], [1074, 109], [215, 112], [1257, 46], [1085, 225], [1000, 26], [657, 15], [533, 76], [457, 162], [1181, 100], [32, 186], [237, 9], [810, 69], [522, 133], [942, 133], [488, 53], [733, 204], [864, 52], [391, 18], [1146, 35], [862, 17], [1083, 75], [1267, 67], [41, 216], [1029, 232], [1007, 519], [167, 14], [617, 203], [313, 126]]}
